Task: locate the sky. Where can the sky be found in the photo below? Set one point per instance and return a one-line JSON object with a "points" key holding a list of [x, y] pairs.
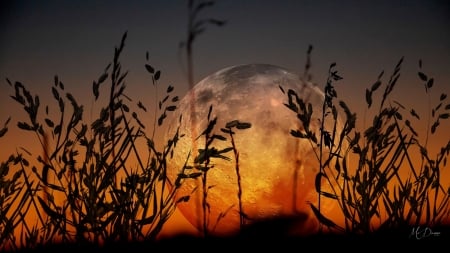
{"points": [[75, 40]]}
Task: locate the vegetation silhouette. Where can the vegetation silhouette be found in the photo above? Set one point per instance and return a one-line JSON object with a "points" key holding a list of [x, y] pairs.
{"points": [[87, 197], [377, 184]]}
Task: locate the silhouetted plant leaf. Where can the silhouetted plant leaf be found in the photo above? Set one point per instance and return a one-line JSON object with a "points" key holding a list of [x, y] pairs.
{"points": [[232, 124], [225, 150], [322, 219], [53, 214], [161, 119], [414, 114], [327, 139], [183, 199], [140, 105], [148, 220], [56, 187], [49, 122], [422, 76], [297, 134], [209, 112], [24, 126], [368, 98], [312, 137], [335, 77], [61, 105], [202, 168], [243, 125], [217, 22], [397, 67], [227, 130], [337, 167], [328, 195], [55, 93], [375, 86], [318, 181], [149, 68], [82, 131], [9, 82], [57, 129], [157, 75], [72, 100], [3, 131], [102, 78], [430, 83], [192, 175], [210, 127], [399, 104], [444, 115], [16, 176], [408, 124], [434, 126], [165, 99], [171, 108], [219, 137]]}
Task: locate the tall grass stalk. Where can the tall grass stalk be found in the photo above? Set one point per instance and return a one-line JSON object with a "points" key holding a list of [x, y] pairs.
{"points": [[196, 26], [229, 130], [83, 188], [374, 194]]}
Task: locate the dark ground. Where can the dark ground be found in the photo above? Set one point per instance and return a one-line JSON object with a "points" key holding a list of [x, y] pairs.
{"points": [[271, 236]]}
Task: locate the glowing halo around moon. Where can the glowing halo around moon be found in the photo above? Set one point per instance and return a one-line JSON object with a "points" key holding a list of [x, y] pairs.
{"points": [[277, 170]]}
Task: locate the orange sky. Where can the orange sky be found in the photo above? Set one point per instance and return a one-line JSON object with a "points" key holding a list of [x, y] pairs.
{"points": [[76, 40]]}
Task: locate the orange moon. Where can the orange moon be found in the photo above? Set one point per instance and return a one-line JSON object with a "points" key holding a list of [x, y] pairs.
{"points": [[277, 170]]}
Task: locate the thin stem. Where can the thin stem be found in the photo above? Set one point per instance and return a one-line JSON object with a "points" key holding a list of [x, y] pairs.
{"points": [[238, 175]]}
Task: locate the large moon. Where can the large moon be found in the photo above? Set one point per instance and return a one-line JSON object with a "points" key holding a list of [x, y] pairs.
{"points": [[277, 170]]}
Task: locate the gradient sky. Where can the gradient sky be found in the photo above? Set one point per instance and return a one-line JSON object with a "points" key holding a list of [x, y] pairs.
{"points": [[75, 40]]}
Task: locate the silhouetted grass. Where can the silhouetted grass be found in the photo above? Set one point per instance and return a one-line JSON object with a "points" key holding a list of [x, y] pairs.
{"points": [[83, 188], [372, 194], [87, 196], [196, 26], [263, 236]]}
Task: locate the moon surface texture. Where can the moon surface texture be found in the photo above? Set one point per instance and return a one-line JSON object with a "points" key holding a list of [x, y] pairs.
{"points": [[277, 170]]}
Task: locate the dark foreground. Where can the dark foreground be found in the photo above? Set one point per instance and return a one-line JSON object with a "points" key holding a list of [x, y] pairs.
{"points": [[270, 238]]}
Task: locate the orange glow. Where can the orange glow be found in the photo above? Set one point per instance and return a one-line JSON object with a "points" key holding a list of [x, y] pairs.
{"points": [[15, 140]]}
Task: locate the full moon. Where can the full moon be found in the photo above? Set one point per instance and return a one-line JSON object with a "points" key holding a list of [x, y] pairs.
{"points": [[277, 171]]}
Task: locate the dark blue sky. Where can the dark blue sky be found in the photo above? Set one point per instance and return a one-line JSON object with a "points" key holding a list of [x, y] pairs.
{"points": [[76, 40]]}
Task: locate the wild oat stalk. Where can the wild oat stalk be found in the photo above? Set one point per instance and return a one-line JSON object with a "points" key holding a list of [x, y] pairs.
{"points": [[328, 147], [229, 130], [196, 26], [15, 201], [374, 189], [202, 163], [86, 187]]}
